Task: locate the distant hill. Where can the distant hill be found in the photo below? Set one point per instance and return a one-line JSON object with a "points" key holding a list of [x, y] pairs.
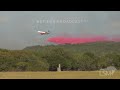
{"points": [[96, 47]]}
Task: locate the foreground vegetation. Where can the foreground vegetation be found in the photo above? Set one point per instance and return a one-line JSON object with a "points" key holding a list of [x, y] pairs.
{"points": [[80, 57], [58, 75]]}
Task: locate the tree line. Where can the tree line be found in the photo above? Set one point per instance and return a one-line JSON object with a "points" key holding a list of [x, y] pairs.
{"points": [[47, 58]]}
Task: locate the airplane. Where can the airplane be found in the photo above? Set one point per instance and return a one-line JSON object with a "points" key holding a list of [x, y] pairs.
{"points": [[43, 33]]}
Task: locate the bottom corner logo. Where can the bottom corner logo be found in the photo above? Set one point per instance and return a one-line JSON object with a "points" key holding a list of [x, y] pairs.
{"points": [[106, 72]]}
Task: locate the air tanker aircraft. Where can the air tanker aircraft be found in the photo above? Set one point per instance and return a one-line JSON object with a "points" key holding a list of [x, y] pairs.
{"points": [[43, 33]]}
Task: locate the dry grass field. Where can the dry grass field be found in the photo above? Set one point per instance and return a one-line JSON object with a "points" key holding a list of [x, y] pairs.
{"points": [[59, 75]]}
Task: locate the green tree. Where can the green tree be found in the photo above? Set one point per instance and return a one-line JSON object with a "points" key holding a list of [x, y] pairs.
{"points": [[22, 66], [59, 56]]}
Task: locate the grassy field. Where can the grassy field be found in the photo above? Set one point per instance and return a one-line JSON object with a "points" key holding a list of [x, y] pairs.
{"points": [[59, 75]]}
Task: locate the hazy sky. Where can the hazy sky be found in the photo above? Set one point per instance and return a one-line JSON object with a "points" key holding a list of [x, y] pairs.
{"points": [[18, 29]]}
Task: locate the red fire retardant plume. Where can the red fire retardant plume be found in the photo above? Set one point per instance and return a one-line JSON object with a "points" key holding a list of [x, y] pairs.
{"points": [[75, 40]]}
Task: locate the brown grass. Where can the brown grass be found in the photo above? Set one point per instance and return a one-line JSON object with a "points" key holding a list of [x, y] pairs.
{"points": [[59, 75]]}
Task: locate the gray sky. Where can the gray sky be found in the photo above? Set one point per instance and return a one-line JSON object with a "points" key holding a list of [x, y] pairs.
{"points": [[18, 29]]}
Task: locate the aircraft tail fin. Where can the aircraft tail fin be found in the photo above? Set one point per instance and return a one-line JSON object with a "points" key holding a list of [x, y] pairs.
{"points": [[48, 31]]}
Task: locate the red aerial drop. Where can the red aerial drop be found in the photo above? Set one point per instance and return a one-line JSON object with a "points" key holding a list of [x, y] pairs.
{"points": [[75, 40]]}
